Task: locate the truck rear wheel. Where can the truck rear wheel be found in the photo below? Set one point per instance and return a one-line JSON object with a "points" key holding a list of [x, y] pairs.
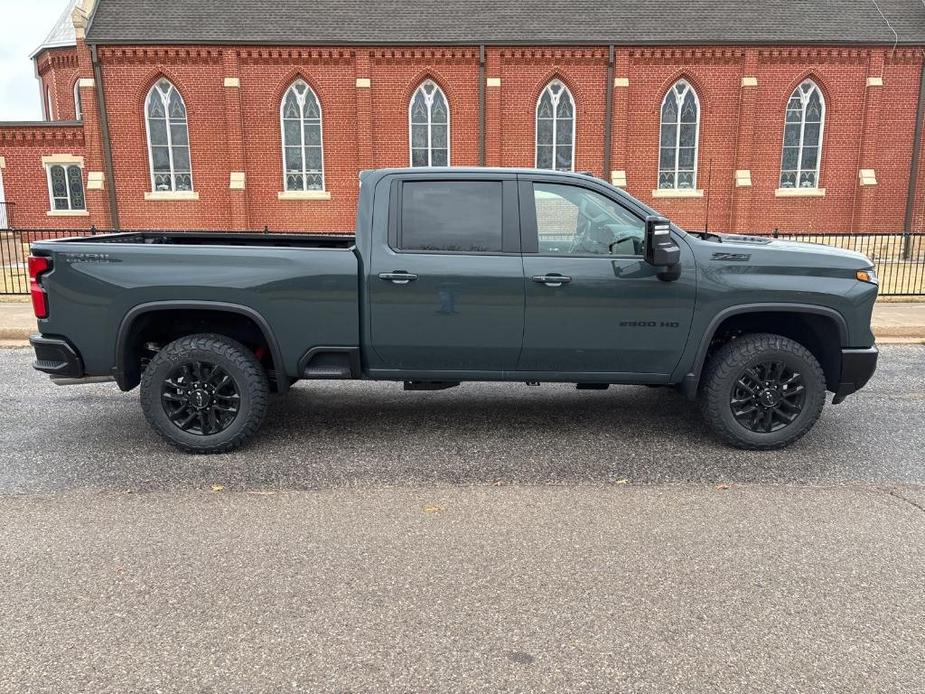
{"points": [[205, 393], [762, 392]]}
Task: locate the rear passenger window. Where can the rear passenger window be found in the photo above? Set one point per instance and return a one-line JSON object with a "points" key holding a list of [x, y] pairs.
{"points": [[462, 216]]}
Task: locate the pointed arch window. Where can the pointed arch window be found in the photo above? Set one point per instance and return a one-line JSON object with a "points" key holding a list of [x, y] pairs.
{"points": [[78, 106], [679, 138], [429, 126], [803, 124], [168, 139], [49, 105], [555, 128], [303, 146]]}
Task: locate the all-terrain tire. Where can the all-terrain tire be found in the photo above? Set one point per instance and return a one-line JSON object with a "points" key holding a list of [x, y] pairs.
{"points": [[739, 357], [249, 382]]}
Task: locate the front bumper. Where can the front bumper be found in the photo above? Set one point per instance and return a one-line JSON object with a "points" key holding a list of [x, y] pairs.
{"points": [[56, 356], [857, 366]]}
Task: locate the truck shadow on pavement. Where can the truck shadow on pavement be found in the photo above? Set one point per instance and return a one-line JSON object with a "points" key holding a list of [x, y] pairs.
{"points": [[361, 434]]}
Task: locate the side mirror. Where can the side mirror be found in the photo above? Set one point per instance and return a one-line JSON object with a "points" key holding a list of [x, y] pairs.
{"points": [[661, 250]]}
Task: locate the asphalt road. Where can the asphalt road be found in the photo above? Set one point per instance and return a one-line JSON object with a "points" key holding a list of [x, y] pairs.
{"points": [[484, 538], [324, 435]]}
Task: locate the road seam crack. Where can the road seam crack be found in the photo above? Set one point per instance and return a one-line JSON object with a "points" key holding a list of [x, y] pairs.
{"points": [[897, 495]]}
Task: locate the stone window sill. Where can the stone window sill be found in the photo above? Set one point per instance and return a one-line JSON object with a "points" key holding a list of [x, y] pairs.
{"points": [[172, 195], [677, 193], [304, 195], [800, 193], [68, 213]]}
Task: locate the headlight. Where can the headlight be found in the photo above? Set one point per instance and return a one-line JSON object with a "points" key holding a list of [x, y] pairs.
{"points": [[869, 275]]}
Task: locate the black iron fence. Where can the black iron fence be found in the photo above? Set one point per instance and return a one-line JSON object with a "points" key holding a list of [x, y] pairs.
{"points": [[899, 258]]}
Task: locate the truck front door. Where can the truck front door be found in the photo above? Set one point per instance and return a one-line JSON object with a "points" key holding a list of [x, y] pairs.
{"points": [[446, 291], [593, 304]]}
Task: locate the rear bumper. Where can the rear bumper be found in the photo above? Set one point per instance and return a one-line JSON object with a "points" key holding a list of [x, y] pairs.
{"points": [[857, 366], [56, 357]]}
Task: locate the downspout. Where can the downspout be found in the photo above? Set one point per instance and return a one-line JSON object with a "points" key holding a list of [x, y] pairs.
{"points": [[482, 105], [608, 113], [914, 168], [104, 134]]}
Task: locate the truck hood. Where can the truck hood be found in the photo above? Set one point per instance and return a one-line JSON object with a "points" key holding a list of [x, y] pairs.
{"points": [[737, 243]]}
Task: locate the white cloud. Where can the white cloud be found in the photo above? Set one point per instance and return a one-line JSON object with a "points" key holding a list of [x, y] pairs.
{"points": [[24, 27]]}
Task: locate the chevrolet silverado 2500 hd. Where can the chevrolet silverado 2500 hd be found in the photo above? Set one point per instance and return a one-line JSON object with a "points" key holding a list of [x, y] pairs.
{"points": [[460, 275]]}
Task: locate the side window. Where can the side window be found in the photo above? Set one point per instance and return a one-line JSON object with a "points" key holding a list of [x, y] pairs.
{"points": [[65, 187], [576, 221], [461, 216]]}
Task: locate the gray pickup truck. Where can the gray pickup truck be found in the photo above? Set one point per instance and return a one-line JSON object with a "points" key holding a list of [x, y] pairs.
{"points": [[460, 275]]}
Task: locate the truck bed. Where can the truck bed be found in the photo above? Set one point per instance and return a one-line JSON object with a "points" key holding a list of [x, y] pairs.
{"points": [[306, 287], [209, 238]]}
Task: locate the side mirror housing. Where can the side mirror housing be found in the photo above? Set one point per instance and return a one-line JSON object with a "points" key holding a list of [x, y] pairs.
{"points": [[661, 250]]}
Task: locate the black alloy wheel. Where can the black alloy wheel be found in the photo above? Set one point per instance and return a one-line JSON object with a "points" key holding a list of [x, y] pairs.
{"points": [[205, 393], [762, 391], [767, 397], [201, 398]]}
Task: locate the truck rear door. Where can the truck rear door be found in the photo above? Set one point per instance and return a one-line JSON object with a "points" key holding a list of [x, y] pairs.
{"points": [[593, 304], [445, 288]]}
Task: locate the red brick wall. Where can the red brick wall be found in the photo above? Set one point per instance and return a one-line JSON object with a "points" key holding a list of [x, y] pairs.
{"points": [[25, 181], [58, 70], [237, 129]]}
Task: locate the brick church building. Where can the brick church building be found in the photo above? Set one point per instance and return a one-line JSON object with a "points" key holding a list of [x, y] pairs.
{"points": [[802, 115]]}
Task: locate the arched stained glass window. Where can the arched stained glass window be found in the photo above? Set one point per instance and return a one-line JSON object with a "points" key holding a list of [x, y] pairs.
{"points": [[555, 128], [303, 148], [168, 139], [803, 125], [680, 134], [429, 126]]}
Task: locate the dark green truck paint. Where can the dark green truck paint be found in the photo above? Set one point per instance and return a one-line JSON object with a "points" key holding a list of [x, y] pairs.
{"points": [[467, 316]]}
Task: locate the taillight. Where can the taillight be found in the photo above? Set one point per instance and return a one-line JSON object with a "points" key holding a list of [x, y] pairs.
{"points": [[37, 267]]}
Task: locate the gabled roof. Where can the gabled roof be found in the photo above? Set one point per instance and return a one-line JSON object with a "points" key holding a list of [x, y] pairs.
{"points": [[62, 34], [626, 22]]}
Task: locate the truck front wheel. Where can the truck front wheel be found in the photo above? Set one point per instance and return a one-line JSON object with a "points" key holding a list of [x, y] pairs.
{"points": [[205, 393], [762, 391]]}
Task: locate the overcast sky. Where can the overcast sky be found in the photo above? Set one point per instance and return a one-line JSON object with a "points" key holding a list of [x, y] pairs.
{"points": [[25, 25]]}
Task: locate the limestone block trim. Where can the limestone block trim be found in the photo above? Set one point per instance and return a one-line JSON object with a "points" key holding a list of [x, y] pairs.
{"points": [[874, 81], [304, 195], [743, 178], [749, 81], [364, 83], [618, 178], [237, 180], [161, 195], [867, 177], [621, 81], [493, 82], [2, 162], [677, 193], [95, 180], [232, 81], [799, 193], [68, 213], [51, 159], [86, 83]]}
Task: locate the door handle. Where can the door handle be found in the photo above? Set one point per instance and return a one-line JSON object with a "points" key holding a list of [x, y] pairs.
{"points": [[552, 280], [398, 277]]}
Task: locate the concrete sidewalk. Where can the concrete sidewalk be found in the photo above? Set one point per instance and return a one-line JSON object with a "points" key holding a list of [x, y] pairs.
{"points": [[892, 322]]}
